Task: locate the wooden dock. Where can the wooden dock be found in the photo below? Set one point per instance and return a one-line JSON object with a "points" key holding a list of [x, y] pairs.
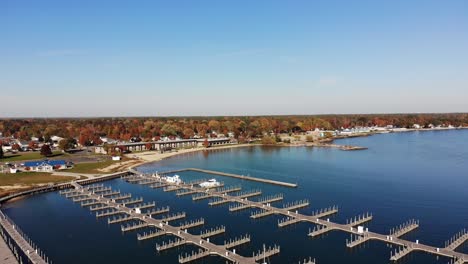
{"points": [[237, 176], [359, 235], [6, 255], [206, 248], [23, 249]]}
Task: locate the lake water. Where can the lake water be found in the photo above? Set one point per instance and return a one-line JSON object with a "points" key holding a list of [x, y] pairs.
{"points": [[402, 176]]}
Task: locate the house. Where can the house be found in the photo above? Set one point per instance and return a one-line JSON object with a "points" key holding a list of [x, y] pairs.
{"points": [[45, 165], [6, 147], [56, 140], [24, 145], [416, 126]]}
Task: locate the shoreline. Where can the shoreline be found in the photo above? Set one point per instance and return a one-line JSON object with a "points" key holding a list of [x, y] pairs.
{"points": [[142, 158], [152, 156]]}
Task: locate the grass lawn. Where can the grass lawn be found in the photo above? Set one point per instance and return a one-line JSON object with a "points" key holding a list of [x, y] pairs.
{"points": [[28, 156], [29, 178], [91, 167]]}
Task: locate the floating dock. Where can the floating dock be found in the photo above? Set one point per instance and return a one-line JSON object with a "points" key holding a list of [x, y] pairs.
{"points": [[353, 225], [237, 176], [144, 220]]}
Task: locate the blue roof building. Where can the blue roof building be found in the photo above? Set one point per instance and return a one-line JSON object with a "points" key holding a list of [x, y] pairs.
{"points": [[48, 162], [45, 165]]}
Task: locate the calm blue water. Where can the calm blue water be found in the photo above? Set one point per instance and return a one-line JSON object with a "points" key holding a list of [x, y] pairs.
{"points": [[420, 175]]}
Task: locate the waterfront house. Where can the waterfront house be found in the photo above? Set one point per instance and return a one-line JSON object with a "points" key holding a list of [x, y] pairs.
{"points": [[45, 165]]}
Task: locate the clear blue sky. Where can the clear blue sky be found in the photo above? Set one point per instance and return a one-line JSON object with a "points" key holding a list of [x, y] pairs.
{"points": [[101, 58]]}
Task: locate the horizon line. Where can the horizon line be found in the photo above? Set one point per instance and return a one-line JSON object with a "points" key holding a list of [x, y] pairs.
{"points": [[256, 115]]}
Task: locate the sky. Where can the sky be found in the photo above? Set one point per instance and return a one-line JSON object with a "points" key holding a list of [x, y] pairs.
{"points": [[185, 58]]}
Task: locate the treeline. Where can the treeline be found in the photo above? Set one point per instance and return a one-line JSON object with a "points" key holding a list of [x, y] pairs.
{"points": [[89, 130]]}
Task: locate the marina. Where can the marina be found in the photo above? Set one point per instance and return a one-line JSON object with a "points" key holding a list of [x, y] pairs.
{"points": [[352, 226], [164, 228], [256, 204]]}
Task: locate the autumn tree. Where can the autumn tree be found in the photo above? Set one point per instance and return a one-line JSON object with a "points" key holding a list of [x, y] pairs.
{"points": [[169, 130], [149, 146], [188, 133], [122, 149], [15, 147], [45, 150], [32, 145], [109, 148], [84, 140], [87, 130], [206, 143], [66, 144], [267, 140], [97, 141], [214, 125]]}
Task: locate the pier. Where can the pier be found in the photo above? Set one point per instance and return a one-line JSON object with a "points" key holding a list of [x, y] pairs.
{"points": [[237, 176], [22, 248], [103, 200], [192, 224], [359, 234], [163, 228]]}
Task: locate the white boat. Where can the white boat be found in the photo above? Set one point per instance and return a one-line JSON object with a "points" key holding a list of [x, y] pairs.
{"points": [[210, 183], [174, 179]]}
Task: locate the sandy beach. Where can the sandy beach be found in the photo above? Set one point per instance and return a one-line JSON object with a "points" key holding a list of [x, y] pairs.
{"points": [[152, 156]]}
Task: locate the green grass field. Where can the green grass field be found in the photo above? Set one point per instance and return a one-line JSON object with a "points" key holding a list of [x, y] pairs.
{"points": [[29, 156], [91, 167], [30, 178]]}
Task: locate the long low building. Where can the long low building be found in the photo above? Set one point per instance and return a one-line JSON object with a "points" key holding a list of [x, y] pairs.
{"points": [[45, 165], [165, 145]]}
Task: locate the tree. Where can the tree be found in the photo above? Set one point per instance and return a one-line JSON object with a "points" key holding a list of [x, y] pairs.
{"points": [[169, 130], [206, 143], [149, 146], [66, 144], [327, 135], [97, 141], [32, 145], [266, 140], [16, 147], [45, 150], [188, 133], [63, 144], [83, 140], [214, 125]]}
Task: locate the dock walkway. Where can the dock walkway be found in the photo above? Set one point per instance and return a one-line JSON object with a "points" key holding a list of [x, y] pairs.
{"points": [[6, 256], [327, 225], [19, 244], [237, 176], [164, 228]]}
